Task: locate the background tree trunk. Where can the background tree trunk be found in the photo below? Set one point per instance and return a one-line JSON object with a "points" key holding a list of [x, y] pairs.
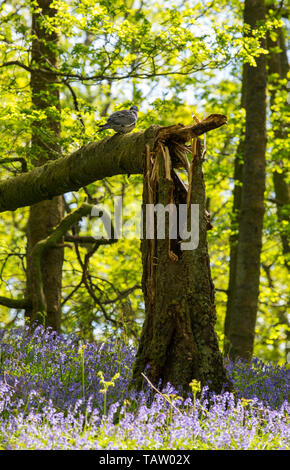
{"points": [[245, 297], [278, 65], [178, 341], [45, 146], [235, 220], [278, 68]]}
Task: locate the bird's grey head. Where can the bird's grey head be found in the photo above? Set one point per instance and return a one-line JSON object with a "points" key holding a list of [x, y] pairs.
{"points": [[134, 108]]}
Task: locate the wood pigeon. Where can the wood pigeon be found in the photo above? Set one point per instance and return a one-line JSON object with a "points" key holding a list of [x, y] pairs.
{"points": [[122, 121]]}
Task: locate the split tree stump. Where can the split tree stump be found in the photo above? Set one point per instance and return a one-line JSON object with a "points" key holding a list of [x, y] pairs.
{"points": [[178, 341]]}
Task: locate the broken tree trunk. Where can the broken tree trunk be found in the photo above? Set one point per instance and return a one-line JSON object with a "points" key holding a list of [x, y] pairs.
{"points": [[178, 341]]}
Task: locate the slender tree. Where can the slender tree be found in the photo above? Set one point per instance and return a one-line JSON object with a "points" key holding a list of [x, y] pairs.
{"points": [[237, 196], [246, 289], [278, 69], [45, 146]]}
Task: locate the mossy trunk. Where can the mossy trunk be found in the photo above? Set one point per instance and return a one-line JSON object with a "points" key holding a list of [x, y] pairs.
{"points": [[45, 146], [178, 341]]}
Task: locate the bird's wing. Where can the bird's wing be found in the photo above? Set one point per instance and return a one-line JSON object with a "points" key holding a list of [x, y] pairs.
{"points": [[123, 118]]}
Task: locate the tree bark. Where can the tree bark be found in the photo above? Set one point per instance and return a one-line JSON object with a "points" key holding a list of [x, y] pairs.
{"points": [[278, 64], [45, 146], [245, 297], [178, 341], [235, 220], [278, 68]]}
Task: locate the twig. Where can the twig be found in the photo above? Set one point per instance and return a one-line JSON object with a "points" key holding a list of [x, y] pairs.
{"points": [[75, 101], [164, 396]]}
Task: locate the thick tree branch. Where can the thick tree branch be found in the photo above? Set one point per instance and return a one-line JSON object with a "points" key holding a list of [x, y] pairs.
{"points": [[87, 239], [18, 304], [119, 154]]}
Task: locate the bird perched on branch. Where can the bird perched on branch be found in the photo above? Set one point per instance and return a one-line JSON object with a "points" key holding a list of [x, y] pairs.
{"points": [[122, 121]]}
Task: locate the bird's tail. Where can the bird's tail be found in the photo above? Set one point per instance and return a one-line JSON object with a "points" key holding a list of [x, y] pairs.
{"points": [[103, 127]]}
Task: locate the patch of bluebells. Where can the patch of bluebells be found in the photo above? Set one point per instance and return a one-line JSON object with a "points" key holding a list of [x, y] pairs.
{"points": [[50, 399], [267, 382], [50, 364]]}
